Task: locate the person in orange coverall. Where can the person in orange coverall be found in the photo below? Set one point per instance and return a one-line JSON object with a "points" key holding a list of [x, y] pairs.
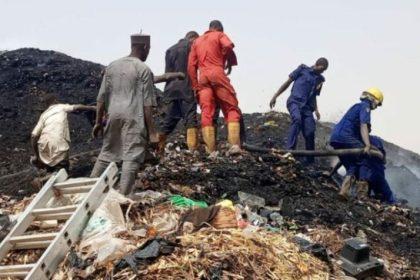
{"points": [[211, 54]]}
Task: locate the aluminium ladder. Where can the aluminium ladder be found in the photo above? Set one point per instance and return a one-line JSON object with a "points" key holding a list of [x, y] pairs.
{"points": [[56, 244]]}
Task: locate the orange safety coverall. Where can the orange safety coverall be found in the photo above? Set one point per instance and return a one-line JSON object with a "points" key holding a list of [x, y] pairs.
{"points": [[208, 55]]}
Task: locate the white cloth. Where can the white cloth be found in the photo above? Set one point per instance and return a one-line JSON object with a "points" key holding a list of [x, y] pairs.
{"points": [[54, 135]]}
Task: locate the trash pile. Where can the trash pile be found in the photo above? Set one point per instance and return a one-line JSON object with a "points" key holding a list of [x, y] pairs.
{"points": [[9, 211], [303, 198], [252, 215], [256, 216], [165, 236]]}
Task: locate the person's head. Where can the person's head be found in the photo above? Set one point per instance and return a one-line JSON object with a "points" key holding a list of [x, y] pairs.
{"points": [[49, 99], [216, 25], [321, 65], [374, 95], [140, 46], [191, 36]]}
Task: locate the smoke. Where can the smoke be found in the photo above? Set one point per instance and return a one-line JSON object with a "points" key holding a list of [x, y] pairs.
{"points": [[404, 183]]}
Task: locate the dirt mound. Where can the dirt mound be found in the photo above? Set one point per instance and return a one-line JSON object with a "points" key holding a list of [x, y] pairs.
{"points": [[308, 201], [25, 75]]}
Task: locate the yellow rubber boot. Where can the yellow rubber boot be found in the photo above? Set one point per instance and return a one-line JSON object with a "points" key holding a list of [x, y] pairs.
{"points": [[162, 143], [192, 138], [209, 138], [362, 189], [346, 186], [234, 132]]}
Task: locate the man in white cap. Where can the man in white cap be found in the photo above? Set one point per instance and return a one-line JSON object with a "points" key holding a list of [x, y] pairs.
{"points": [[126, 97]]}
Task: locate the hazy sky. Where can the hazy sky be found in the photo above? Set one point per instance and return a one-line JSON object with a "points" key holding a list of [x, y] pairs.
{"points": [[368, 43]]}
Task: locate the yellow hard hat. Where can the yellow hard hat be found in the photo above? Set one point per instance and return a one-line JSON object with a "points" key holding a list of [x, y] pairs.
{"points": [[376, 93]]}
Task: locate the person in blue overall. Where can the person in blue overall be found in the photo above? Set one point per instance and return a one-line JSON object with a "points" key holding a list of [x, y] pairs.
{"points": [[302, 103], [372, 173], [353, 132]]}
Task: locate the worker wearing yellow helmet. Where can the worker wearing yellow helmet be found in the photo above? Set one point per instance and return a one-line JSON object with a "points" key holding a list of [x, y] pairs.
{"points": [[375, 95], [353, 132]]}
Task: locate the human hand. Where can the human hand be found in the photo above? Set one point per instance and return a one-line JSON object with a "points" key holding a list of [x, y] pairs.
{"points": [[272, 102], [97, 129], [367, 150], [318, 115], [180, 75], [229, 69], [34, 160], [175, 75]]}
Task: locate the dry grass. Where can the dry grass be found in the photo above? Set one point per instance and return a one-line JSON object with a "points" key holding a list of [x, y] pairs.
{"points": [[233, 255]]}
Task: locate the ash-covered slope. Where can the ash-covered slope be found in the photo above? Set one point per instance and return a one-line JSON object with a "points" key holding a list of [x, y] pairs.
{"points": [[25, 75], [270, 130], [308, 201]]}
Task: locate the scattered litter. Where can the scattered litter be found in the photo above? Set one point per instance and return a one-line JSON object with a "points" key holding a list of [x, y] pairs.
{"points": [[198, 217], [107, 221], [252, 217], [112, 249], [147, 253], [361, 235], [167, 223], [149, 197], [232, 253], [6, 225], [316, 249], [357, 261], [140, 232], [76, 261], [226, 203], [276, 219], [271, 123], [225, 218], [181, 201], [251, 200]]}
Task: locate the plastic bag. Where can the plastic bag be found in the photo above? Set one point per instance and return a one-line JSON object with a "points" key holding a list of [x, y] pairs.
{"points": [[149, 197], [108, 220], [113, 249], [166, 224], [226, 203], [180, 201], [147, 253], [251, 200]]}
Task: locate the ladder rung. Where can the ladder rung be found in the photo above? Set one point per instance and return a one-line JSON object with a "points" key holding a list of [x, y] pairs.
{"points": [[55, 210], [19, 274], [16, 268], [32, 245], [54, 216], [92, 192], [33, 237], [73, 190], [78, 183]]}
